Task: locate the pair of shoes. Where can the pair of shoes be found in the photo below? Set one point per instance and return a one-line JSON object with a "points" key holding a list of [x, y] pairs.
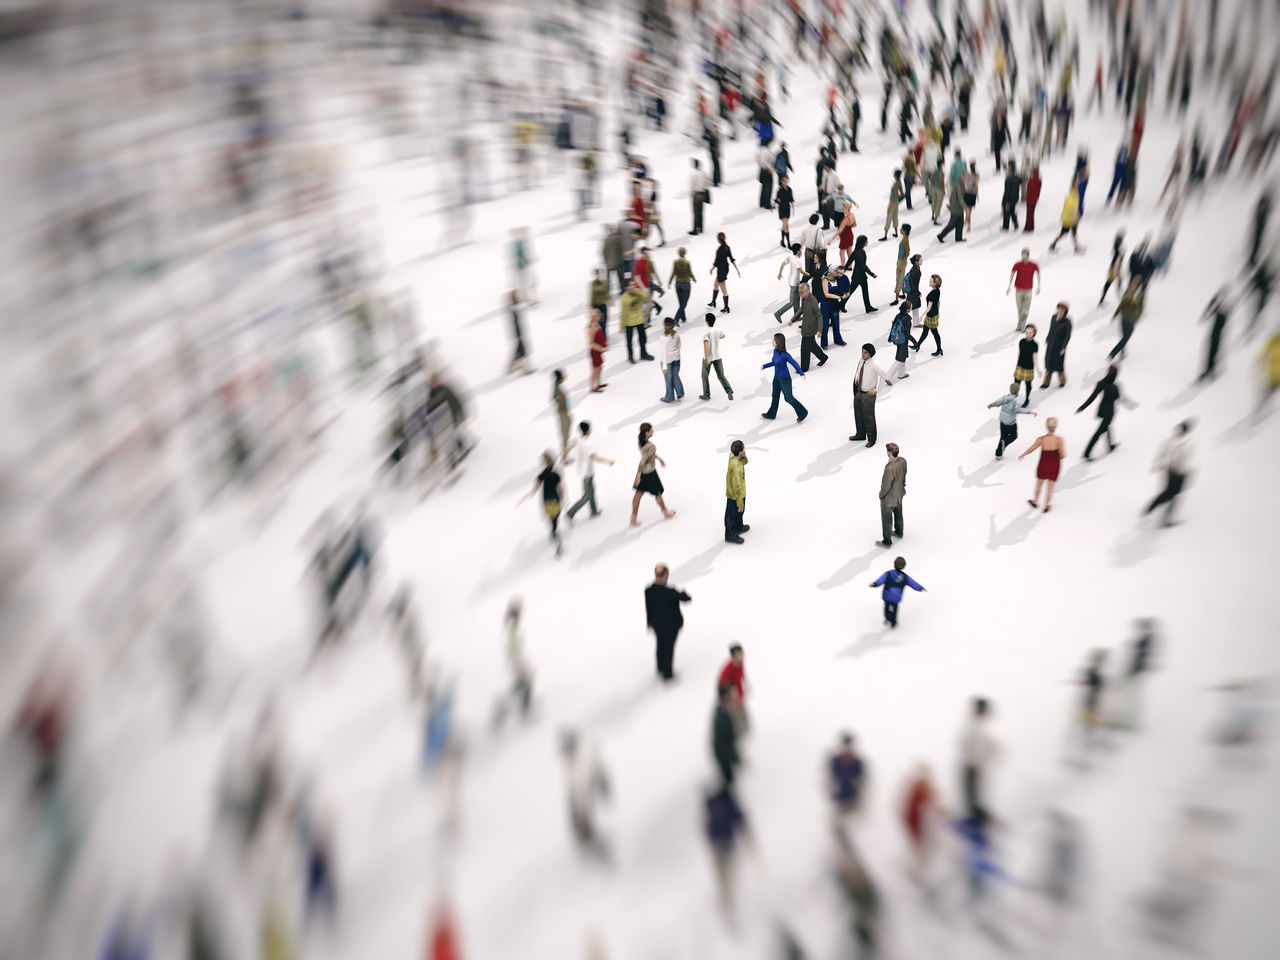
{"points": [[765, 416], [744, 528], [883, 543], [871, 443], [857, 438], [704, 396], [734, 540]]}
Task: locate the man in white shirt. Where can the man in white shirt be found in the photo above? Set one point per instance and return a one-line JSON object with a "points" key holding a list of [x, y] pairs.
{"points": [[764, 160], [588, 785], [587, 458], [978, 751], [794, 266], [866, 382], [711, 338], [699, 192], [1175, 460]]}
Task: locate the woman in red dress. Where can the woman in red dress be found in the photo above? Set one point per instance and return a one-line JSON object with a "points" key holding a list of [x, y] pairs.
{"points": [[1052, 450], [596, 344], [1034, 183], [845, 232]]}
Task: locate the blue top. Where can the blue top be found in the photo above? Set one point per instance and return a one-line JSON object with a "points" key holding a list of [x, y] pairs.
{"points": [[779, 363], [839, 286], [846, 778], [894, 581], [1009, 408]]}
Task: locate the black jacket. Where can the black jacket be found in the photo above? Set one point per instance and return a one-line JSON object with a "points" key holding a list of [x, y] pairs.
{"points": [[662, 608], [1110, 393], [1012, 188], [724, 742]]}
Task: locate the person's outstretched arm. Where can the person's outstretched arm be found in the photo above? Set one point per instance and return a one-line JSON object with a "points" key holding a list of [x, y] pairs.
{"points": [[912, 584]]}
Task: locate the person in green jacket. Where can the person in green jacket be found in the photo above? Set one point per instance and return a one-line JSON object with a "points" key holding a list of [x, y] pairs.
{"points": [[735, 491], [810, 326], [599, 297], [631, 308]]}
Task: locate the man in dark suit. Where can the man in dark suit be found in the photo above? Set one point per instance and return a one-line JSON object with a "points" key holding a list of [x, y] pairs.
{"points": [[662, 613]]}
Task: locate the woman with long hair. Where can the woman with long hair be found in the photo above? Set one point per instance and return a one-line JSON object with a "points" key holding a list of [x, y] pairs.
{"points": [[858, 259], [782, 379], [785, 201], [1052, 452], [647, 479], [724, 257], [844, 230], [670, 356], [596, 344]]}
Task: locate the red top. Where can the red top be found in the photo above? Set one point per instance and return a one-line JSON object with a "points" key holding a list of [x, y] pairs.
{"points": [[1033, 190], [599, 339], [733, 675], [642, 272], [1023, 274], [638, 212], [918, 799]]}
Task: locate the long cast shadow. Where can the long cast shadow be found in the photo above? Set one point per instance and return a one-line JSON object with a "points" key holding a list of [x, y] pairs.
{"points": [[830, 462], [850, 570], [995, 345], [1014, 532], [869, 643], [978, 477]]}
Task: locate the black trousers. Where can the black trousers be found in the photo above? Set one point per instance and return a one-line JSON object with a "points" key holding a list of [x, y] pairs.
{"points": [[715, 169], [1009, 214], [971, 788], [954, 225], [890, 521], [697, 214], [864, 415], [891, 612], [809, 345], [866, 296], [638, 328], [1104, 427], [853, 134], [1172, 487], [666, 653], [733, 517], [621, 272], [1211, 361], [766, 188], [1008, 434], [924, 334]]}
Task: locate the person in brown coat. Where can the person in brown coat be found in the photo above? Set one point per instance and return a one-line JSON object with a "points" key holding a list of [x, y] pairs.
{"points": [[810, 316], [893, 487]]}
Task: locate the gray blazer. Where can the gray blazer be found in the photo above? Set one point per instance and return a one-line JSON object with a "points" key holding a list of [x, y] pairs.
{"points": [[893, 485]]}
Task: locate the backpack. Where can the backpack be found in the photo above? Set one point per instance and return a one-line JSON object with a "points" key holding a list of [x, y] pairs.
{"points": [[898, 332]]}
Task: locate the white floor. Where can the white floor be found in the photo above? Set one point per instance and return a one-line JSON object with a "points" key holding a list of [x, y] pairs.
{"points": [[1016, 599]]}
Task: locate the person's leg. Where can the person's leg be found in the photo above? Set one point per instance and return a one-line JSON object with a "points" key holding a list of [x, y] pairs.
{"points": [[719, 368], [631, 357], [898, 526], [886, 523], [635, 505], [822, 354], [1027, 384], [805, 350], [1097, 435], [675, 377], [730, 519], [777, 393], [682, 297], [706, 381], [1048, 492], [900, 271], [668, 379], [582, 500], [891, 613], [796, 405], [866, 295], [859, 419], [869, 402], [835, 326], [644, 349]]}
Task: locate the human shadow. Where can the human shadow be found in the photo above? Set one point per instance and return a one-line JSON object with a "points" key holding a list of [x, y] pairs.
{"points": [[1183, 397], [486, 317], [1014, 532], [1134, 546], [521, 561], [740, 217], [869, 643], [978, 477], [830, 462], [1075, 476], [701, 564], [616, 710], [987, 431], [995, 345], [850, 570], [615, 541]]}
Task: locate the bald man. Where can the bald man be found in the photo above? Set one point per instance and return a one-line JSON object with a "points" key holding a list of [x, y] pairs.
{"points": [[662, 613]]}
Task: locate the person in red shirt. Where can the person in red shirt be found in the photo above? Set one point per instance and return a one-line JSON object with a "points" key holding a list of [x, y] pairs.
{"points": [[444, 939], [920, 810], [1020, 279], [1034, 183], [638, 212], [733, 674]]}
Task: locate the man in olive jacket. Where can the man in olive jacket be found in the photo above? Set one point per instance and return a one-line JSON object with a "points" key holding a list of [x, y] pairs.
{"points": [[735, 491], [810, 315], [893, 487]]}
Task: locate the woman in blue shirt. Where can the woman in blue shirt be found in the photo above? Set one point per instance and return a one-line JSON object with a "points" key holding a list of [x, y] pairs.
{"points": [[782, 379]]}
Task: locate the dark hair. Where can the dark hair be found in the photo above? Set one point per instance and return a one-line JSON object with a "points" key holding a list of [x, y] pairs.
{"points": [[719, 238], [897, 173], [980, 706], [584, 426], [906, 228], [783, 345], [899, 563], [870, 348], [860, 242], [711, 319], [813, 218], [736, 448], [735, 647], [1186, 425], [645, 428], [846, 738], [795, 249], [557, 376]]}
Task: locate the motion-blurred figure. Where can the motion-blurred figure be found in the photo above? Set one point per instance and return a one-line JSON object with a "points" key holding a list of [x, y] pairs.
{"points": [[1126, 707], [846, 777], [403, 615], [1174, 459], [921, 814], [588, 785], [978, 752], [727, 830], [520, 695], [860, 894], [1177, 910]]}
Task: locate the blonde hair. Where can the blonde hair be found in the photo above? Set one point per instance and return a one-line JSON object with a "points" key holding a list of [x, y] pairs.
{"points": [[1052, 424]]}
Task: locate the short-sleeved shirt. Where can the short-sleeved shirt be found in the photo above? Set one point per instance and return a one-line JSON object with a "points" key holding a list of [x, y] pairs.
{"points": [[795, 267], [1027, 350], [550, 484], [586, 465], [1024, 273], [713, 337]]}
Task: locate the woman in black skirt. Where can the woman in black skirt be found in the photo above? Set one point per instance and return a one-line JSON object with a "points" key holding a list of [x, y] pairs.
{"points": [[784, 200], [858, 259], [647, 480], [724, 257], [1028, 363]]}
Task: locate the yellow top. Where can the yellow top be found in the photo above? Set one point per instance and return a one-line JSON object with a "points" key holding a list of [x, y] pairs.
{"points": [[1271, 354]]}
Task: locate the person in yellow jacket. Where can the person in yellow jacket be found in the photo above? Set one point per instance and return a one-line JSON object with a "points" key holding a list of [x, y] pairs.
{"points": [[1270, 370], [735, 492], [631, 313], [1070, 216]]}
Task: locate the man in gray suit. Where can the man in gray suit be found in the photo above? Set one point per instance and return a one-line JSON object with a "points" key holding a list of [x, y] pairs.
{"points": [[893, 487]]}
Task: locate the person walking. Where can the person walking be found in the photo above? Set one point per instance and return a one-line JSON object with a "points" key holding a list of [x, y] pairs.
{"points": [[647, 479], [835, 286], [1115, 269], [1034, 186], [1129, 312], [1174, 459], [588, 784], [711, 338], [860, 272], [1108, 393], [683, 279], [893, 581], [596, 344], [548, 481], [956, 207], [895, 198], [782, 380], [1070, 218], [978, 753], [846, 777], [699, 195], [631, 319], [784, 201], [1024, 274], [663, 617], [1028, 366], [815, 248], [611, 252], [904, 257], [794, 267], [560, 401], [724, 257], [844, 231], [734, 674], [727, 830], [1009, 199], [587, 459], [764, 160], [911, 290], [969, 185], [900, 337], [735, 491], [1009, 411], [1219, 312], [598, 295], [866, 383], [931, 317], [1052, 452], [1055, 346], [893, 487], [810, 326], [671, 362], [520, 352], [724, 736]]}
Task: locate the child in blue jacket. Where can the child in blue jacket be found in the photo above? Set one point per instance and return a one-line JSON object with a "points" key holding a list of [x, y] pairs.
{"points": [[893, 581]]}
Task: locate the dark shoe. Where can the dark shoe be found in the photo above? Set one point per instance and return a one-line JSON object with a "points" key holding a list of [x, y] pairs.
{"points": [[873, 310], [724, 309], [1044, 386], [871, 443], [744, 528], [1111, 448], [704, 396], [729, 395], [1032, 504], [646, 356], [665, 400], [734, 540], [1046, 509], [822, 361], [801, 419], [936, 353], [765, 416], [855, 439], [883, 543], [1025, 403], [904, 376], [842, 343]]}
